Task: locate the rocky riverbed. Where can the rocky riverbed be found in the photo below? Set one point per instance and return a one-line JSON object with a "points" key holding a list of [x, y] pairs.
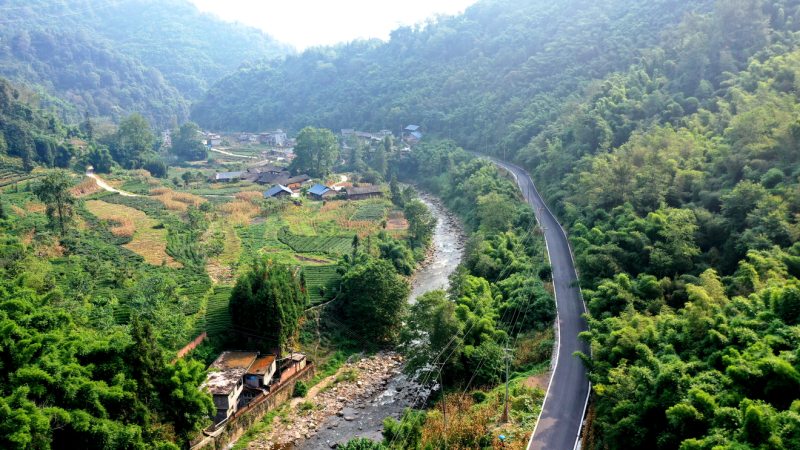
{"points": [[369, 390]]}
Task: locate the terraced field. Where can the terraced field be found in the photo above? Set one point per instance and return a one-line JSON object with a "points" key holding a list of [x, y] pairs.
{"points": [[336, 244], [318, 277], [148, 241], [218, 319]]}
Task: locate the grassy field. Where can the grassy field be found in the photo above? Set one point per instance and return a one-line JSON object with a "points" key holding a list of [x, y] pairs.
{"points": [[148, 241]]}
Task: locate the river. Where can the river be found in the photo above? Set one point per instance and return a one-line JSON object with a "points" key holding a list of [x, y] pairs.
{"points": [[445, 253], [363, 417]]}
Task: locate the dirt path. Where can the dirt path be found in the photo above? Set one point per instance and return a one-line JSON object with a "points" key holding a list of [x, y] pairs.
{"points": [[104, 185], [231, 154], [335, 185]]}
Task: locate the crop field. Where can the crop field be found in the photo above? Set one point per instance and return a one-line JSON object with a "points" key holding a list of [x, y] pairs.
{"points": [[148, 241], [321, 279], [335, 244], [371, 212], [218, 319]]}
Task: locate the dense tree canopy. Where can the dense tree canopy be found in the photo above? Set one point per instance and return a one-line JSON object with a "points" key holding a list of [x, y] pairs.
{"points": [[268, 300]]}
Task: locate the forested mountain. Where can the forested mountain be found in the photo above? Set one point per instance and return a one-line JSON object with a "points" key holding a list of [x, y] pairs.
{"points": [[665, 136], [496, 73], [112, 59]]}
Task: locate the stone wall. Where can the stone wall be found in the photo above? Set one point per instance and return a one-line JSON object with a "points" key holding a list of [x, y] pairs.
{"points": [[245, 417]]}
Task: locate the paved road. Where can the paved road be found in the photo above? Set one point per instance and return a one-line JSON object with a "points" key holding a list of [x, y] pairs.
{"points": [[562, 413]]}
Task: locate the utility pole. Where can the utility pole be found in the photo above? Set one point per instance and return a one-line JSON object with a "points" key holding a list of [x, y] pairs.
{"points": [[444, 404], [504, 417]]}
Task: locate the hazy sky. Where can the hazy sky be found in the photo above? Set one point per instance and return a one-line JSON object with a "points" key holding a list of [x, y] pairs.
{"points": [[305, 23]]}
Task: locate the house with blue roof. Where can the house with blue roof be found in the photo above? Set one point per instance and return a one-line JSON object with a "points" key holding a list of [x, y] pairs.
{"points": [[319, 192], [279, 191]]}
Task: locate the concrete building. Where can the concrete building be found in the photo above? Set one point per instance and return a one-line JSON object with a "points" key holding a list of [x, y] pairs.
{"points": [[226, 381]]}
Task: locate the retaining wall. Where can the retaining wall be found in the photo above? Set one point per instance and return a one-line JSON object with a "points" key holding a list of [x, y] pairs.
{"points": [[217, 437], [190, 346]]}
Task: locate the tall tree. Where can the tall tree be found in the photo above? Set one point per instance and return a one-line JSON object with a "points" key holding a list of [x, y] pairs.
{"points": [[316, 151], [268, 300], [132, 141], [421, 222], [54, 192], [186, 143], [373, 289]]}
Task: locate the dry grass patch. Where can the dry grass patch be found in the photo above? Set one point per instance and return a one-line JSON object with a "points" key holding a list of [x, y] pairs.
{"points": [[147, 241], [126, 225], [18, 211], [176, 201], [240, 207], [35, 207], [160, 190], [248, 195], [86, 187]]}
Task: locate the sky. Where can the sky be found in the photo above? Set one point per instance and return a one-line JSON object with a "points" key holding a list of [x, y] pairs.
{"points": [[305, 23]]}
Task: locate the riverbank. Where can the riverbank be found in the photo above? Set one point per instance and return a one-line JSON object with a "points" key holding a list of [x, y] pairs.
{"points": [[445, 252]]}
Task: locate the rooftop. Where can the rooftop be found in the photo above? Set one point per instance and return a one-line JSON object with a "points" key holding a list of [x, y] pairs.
{"points": [[228, 175], [231, 367], [318, 189], [262, 365], [274, 190], [412, 128], [364, 189]]}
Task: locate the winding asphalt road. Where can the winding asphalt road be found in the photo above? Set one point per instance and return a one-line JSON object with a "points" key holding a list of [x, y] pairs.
{"points": [[564, 405]]}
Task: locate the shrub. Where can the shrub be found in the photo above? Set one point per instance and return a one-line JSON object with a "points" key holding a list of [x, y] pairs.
{"points": [[300, 389], [479, 396]]}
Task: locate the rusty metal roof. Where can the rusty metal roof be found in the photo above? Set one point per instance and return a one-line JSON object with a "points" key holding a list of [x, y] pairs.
{"points": [[262, 364]]}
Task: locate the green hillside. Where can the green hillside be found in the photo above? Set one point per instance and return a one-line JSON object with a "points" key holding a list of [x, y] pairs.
{"points": [[115, 58], [497, 72]]}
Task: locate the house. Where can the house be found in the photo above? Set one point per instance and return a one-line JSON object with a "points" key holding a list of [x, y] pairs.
{"points": [[363, 135], [415, 136], [346, 132], [278, 137], [319, 191], [271, 178], [273, 169], [226, 176], [412, 128], [225, 382], [279, 191], [252, 138], [364, 192], [244, 137], [260, 373], [292, 365], [215, 141], [296, 182], [282, 151], [385, 132]]}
